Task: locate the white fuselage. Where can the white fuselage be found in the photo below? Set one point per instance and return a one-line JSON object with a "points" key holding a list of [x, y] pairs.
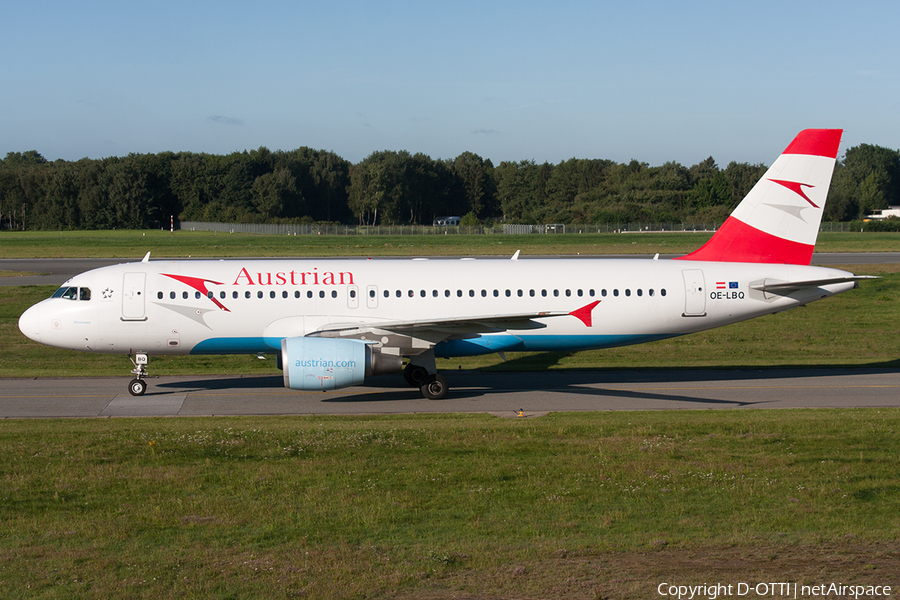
{"points": [[249, 306]]}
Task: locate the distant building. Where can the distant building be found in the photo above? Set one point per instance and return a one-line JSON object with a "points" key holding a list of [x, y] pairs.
{"points": [[893, 211], [446, 221]]}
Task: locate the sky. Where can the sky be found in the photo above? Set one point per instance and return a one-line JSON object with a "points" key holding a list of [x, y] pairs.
{"points": [[509, 81]]}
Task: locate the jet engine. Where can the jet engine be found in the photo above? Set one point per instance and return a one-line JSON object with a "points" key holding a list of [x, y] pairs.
{"points": [[312, 363]]}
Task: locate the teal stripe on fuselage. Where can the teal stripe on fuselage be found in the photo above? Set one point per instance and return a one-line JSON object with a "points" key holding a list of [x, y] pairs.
{"points": [[238, 345], [539, 343], [486, 344]]}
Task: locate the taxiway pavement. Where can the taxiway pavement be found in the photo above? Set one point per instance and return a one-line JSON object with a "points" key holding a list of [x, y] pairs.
{"points": [[503, 394]]}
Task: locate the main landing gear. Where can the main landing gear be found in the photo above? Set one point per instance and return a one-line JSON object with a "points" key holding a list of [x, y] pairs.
{"points": [[138, 386], [421, 372]]}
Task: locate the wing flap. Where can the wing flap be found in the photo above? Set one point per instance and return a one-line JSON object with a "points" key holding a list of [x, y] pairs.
{"points": [[449, 325]]}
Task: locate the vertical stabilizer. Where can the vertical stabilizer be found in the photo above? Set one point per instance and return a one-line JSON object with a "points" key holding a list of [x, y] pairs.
{"points": [[778, 221]]}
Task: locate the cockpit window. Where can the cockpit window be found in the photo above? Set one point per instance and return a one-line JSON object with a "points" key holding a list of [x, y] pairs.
{"points": [[72, 293]]}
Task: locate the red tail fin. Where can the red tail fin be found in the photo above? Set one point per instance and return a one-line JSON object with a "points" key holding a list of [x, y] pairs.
{"points": [[778, 221]]}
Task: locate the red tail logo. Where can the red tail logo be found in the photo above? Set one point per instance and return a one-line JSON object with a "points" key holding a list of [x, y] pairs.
{"points": [[797, 188]]}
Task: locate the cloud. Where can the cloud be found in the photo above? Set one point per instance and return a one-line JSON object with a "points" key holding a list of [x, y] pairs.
{"points": [[223, 120]]}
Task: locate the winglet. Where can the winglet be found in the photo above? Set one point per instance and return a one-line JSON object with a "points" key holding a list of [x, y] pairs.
{"points": [[583, 314]]}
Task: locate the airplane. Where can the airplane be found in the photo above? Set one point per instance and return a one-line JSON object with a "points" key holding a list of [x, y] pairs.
{"points": [[334, 322]]}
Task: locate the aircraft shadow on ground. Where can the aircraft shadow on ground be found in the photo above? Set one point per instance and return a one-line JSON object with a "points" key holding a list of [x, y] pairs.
{"points": [[479, 384]]}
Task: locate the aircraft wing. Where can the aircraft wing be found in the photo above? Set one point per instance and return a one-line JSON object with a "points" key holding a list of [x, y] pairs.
{"points": [[442, 328]]}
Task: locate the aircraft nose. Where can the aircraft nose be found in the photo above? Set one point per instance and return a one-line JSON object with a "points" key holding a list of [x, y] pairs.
{"points": [[30, 323]]}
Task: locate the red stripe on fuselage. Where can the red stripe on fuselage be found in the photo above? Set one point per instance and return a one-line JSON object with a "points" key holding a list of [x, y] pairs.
{"points": [[738, 242]]}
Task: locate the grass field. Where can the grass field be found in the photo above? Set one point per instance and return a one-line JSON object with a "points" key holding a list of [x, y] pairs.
{"points": [[588, 505], [134, 244], [602, 505]]}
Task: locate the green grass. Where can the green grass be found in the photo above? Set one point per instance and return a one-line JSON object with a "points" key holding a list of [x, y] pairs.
{"points": [[442, 506], [134, 244], [589, 505]]}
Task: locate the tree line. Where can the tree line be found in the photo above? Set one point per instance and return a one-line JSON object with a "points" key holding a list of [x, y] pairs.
{"points": [[399, 188]]}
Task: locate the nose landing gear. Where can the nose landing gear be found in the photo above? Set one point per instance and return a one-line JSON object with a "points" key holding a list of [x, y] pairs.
{"points": [[138, 386]]}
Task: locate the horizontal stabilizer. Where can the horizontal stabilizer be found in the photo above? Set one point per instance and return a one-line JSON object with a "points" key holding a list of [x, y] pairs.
{"points": [[788, 286]]}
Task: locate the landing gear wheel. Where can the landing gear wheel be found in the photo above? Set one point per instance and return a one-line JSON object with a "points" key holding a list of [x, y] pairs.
{"points": [[435, 387], [137, 387], [415, 375]]}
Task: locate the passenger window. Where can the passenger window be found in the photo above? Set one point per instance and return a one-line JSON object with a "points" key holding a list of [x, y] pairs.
{"points": [[459, 293], [508, 293], [398, 293], [628, 293], [259, 294], [544, 293], [616, 293], [580, 293], [321, 293], [531, 293], [663, 291], [650, 291], [222, 295], [159, 295], [309, 294], [196, 295], [568, 293], [296, 293], [471, 293], [171, 295], [519, 293], [640, 293], [247, 294], [334, 293], [234, 295], [284, 294]]}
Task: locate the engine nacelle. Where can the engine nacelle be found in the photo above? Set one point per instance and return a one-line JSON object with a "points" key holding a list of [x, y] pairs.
{"points": [[312, 363]]}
